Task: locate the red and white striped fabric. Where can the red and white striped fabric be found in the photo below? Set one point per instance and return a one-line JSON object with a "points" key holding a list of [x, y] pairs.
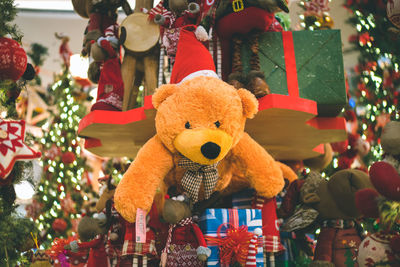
{"points": [[161, 10], [270, 229], [251, 255]]}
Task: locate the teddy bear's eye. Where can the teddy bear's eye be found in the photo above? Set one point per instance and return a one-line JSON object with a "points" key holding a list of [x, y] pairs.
{"points": [[187, 125], [217, 123]]}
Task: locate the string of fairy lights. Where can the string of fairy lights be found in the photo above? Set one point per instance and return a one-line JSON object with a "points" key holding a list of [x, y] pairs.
{"points": [[67, 176]]}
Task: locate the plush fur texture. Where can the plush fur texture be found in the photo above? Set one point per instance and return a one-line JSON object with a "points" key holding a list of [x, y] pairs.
{"points": [[200, 102]]}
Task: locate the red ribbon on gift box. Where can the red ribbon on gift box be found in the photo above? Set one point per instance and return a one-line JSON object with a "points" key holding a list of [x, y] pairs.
{"points": [[234, 246], [290, 64]]}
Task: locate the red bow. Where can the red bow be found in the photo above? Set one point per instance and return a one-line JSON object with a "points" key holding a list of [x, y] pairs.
{"points": [[234, 246]]}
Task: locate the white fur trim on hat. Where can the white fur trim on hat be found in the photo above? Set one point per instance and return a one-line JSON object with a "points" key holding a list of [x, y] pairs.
{"points": [[207, 73]]}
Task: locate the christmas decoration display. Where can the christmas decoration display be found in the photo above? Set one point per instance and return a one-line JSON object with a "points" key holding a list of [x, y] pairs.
{"points": [[333, 203], [139, 37], [207, 138], [12, 146], [172, 16], [383, 203], [250, 20], [63, 190], [376, 77], [185, 244], [228, 234], [15, 146]]}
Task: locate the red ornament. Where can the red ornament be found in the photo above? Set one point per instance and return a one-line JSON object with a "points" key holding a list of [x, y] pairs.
{"points": [[68, 157], [59, 225], [13, 59]]}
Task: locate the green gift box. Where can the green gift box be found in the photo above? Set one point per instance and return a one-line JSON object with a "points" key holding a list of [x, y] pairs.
{"points": [[315, 57]]}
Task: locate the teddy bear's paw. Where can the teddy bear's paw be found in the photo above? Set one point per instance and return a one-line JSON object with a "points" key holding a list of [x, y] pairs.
{"points": [[201, 34], [321, 264]]}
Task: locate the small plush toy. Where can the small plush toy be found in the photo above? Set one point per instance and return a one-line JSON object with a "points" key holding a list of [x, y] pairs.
{"points": [[234, 21], [101, 15], [332, 205], [172, 15], [92, 232], [185, 245], [106, 71], [383, 203], [200, 145]]}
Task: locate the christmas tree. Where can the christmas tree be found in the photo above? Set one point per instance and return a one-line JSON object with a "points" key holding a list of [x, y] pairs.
{"points": [[14, 146], [377, 76], [64, 190]]}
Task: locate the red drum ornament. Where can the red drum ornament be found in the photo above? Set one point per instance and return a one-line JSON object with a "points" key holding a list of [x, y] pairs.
{"points": [[13, 59]]}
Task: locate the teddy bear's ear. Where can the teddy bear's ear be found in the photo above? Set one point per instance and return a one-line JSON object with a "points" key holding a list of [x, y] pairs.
{"points": [[162, 93], [249, 103]]}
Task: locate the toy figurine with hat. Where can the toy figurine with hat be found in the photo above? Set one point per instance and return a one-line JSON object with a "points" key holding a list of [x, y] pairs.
{"points": [[172, 15], [234, 22], [200, 145]]}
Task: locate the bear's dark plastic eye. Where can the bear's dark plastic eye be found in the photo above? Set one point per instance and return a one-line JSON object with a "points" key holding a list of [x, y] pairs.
{"points": [[217, 123], [187, 125]]}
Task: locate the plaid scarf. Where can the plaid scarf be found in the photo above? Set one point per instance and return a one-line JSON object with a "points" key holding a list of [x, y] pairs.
{"points": [[195, 174]]}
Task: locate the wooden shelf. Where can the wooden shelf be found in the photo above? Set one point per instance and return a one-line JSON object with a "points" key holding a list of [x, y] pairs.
{"points": [[288, 127]]}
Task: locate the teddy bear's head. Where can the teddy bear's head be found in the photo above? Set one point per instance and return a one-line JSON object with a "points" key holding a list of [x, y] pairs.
{"points": [[337, 196], [202, 118]]}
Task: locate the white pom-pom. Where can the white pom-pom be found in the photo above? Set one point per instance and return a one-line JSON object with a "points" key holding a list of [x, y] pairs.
{"points": [[95, 216], [258, 231], [101, 216], [201, 34], [180, 198]]}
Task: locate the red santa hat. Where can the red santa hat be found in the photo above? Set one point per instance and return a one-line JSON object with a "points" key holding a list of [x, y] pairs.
{"points": [[192, 58]]}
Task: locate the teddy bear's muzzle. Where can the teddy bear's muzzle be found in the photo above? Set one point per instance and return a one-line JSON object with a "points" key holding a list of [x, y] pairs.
{"points": [[204, 146]]}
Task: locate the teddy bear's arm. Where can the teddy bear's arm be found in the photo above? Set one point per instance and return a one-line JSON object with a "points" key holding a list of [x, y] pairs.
{"points": [[263, 172], [140, 182]]}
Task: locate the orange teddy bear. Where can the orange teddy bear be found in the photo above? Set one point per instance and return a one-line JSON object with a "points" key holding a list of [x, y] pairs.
{"points": [[200, 145]]}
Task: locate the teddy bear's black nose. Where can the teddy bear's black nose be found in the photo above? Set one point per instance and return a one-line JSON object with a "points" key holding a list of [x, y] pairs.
{"points": [[210, 150]]}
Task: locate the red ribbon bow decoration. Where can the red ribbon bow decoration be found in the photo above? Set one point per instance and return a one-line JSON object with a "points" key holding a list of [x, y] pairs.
{"points": [[234, 246]]}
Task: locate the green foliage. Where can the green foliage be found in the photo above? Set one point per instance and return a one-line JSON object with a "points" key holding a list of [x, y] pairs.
{"points": [[7, 15], [37, 54], [14, 238]]}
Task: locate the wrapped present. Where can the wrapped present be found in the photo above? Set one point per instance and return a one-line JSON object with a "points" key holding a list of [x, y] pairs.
{"points": [[305, 64], [213, 224], [248, 199]]}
